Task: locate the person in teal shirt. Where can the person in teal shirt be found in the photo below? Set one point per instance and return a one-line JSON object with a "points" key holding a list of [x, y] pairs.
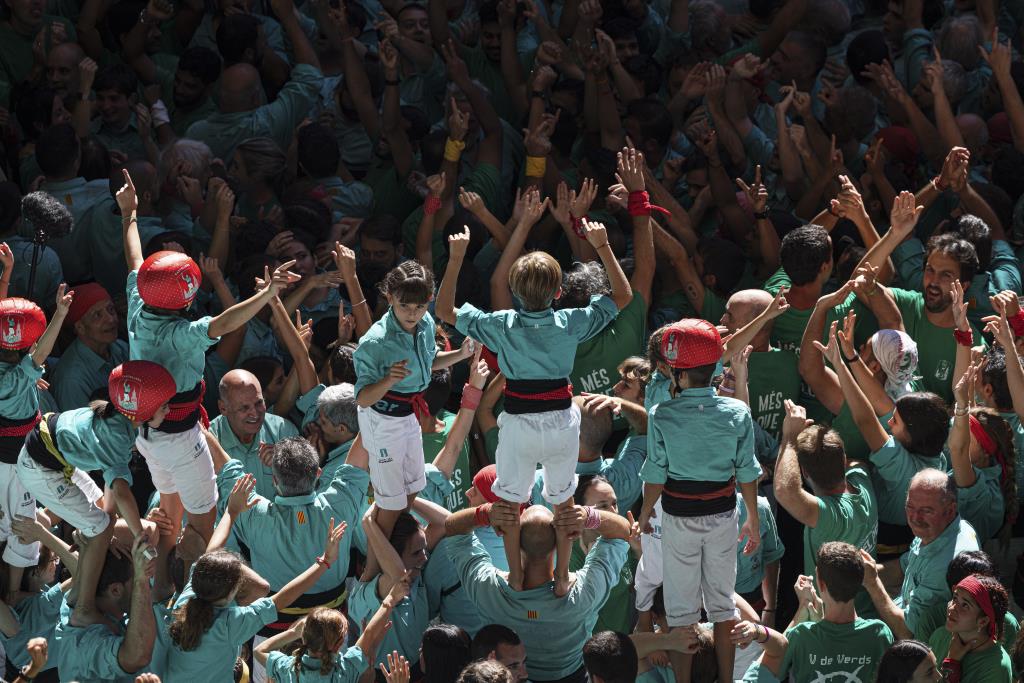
{"points": [[553, 629], [87, 363], [208, 626], [401, 556], [334, 426], [842, 644], [975, 618], [939, 536], [244, 426], [112, 653]]}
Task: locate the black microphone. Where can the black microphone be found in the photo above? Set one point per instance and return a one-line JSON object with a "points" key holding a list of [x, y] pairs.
{"points": [[49, 219]]}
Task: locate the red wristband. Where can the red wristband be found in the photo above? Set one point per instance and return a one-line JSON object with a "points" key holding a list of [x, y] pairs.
{"points": [[577, 226], [640, 204], [964, 338], [470, 397], [483, 515], [1017, 324], [323, 560], [431, 205], [953, 669]]}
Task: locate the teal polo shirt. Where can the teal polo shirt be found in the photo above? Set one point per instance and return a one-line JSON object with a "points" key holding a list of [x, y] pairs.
{"points": [[895, 466], [409, 618], [386, 343], [37, 615], [277, 120], [553, 629], [348, 200], [924, 594], [659, 390], [102, 231], [346, 667], [89, 654], [260, 340], [306, 404], [679, 431], [274, 429], [221, 643], [622, 472], [982, 504], [125, 139], [81, 372], [19, 398], [750, 569], [536, 344], [286, 535], [176, 343], [91, 444]]}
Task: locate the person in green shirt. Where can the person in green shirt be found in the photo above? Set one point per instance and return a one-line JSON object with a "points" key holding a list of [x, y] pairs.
{"points": [[118, 126], [842, 504], [841, 644], [17, 35], [969, 643], [979, 563]]}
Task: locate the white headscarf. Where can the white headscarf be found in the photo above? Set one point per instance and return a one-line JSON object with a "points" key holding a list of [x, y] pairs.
{"points": [[896, 352]]}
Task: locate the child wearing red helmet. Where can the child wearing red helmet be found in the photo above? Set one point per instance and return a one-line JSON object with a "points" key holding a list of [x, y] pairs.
{"points": [[25, 342], [700, 446], [59, 453], [160, 288]]}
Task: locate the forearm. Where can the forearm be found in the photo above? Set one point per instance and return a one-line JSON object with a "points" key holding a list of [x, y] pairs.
{"points": [[44, 346], [132, 244], [372, 393], [239, 314], [126, 506], [301, 362], [448, 457], [748, 490], [388, 559], [221, 532], [301, 48], [770, 585], [770, 244], [959, 444], [609, 122], [635, 414], [975, 204], [788, 481], [652, 492], [872, 388], [375, 630], [1015, 378], [892, 615], [499, 233], [461, 522], [67, 557], [444, 306], [425, 236], [420, 54], [945, 121], [358, 85], [224, 295], [262, 651], [500, 293], [299, 585], [621, 292], [1014, 107], [137, 645], [360, 309], [743, 336]]}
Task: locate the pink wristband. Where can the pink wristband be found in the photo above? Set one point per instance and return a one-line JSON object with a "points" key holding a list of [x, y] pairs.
{"points": [[471, 397], [593, 518]]}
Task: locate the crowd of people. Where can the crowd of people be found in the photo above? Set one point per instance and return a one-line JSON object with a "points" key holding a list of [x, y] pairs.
{"points": [[491, 341]]}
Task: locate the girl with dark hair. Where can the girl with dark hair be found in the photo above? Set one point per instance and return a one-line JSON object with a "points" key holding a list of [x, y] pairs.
{"points": [[968, 645], [208, 624], [444, 653], [908, 661]]}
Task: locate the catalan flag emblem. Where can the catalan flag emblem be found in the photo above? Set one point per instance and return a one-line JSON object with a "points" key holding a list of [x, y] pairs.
{"points": [[532, 614], [301, 516]]}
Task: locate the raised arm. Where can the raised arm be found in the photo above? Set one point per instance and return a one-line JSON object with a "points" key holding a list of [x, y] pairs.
{"points": [[448, 456], [960, 435], [128, 202], [999, 59], [863, 415], [903, 218], [822, 381], [631, 171], [1001, 329], [789, 488], [289, 334], [44, 345], [533, 209], [136, 647], [242, 312]]}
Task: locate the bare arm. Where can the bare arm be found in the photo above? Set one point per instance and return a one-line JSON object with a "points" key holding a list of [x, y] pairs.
{"points": [[788, 484]]}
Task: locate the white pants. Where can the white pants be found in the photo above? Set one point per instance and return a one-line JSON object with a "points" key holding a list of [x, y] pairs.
{"points": [[551, 440], [699, 563], [258, 674], [74, 502], [395, 447], [16, 501], [181, 463]]}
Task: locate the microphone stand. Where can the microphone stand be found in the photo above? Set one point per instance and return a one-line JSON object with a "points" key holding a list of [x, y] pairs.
{"points": [[39, 240]]}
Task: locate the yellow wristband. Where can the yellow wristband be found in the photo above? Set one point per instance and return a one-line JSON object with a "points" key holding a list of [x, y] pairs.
{"points": [[453, 149], [535, 166]]}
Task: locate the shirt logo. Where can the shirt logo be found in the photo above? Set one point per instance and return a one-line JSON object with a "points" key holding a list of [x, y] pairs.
{"points": [[12, 330], [301, 516], [532, 614]]}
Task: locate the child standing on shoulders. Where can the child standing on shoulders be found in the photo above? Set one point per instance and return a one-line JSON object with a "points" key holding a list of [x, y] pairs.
{"points": [[699, 445], [536, 348], [393, 363]]}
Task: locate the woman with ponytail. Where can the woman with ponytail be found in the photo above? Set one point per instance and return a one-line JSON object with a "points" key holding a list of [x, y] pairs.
{"points": [[968, 645], [208, 628], [321, 656], [982, 453]]}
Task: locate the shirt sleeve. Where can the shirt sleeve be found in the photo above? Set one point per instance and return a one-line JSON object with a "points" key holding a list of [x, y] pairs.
{"points": [[587, 322], [293, 103], [624, 473], [97, 651], [352, 664], [366, 365], [892, 462], [472, 322], [280, 666], [1004, 268], [600, 572], [772, 548], [655, 467], [747, 467], [908, 258], [347, 492], [473, 565], [927, 609], [245, 622], [192, 335]]}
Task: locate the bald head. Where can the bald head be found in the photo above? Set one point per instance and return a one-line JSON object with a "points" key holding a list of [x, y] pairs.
{"points": [[62, 67], [241, 403], [240, 89], [537, 532], [744, 306]]}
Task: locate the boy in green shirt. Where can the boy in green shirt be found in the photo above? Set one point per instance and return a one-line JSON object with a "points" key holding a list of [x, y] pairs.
{"points": [[841, 644], [700, 524]]}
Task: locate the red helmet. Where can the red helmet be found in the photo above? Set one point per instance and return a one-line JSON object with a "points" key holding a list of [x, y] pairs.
{"points": [[169, 279], [691, 343], [139, 387], [22, 323]]}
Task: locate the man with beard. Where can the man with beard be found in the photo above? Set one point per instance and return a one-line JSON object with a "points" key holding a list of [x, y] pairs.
{"points": [[86, 365], [244, 426], [928, 315]]}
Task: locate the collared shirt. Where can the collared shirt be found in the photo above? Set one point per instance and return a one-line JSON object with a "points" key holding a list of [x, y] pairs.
{"points": [[78, 195], [536, 344], [90, 443], [273, 429], [260, 340], [982, 503], [49, 272], [895, 466], [36, 615], [346, 667], [925, 593], [277, 120], [553, 629], [286, 535], [89, 654], [125, 139], [409, 618], [19, 398], [386, 343], [680, 430], [81, 372], [176, 343]]}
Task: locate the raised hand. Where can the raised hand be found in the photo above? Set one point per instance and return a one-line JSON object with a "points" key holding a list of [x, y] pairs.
{"points": [[630, 169], [64, 299], [280, 279], [127, 200], [905, 213], [334, 534], [831, 351], [458, 243], [595, 233], [756, 193], [458, 122], [795, 421], [239, 500], [958, 307]]}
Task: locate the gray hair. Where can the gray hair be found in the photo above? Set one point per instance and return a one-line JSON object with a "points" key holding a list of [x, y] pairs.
{"points": [[954, 81], [935, 480], [582, 282], [708, 21], [958, 40], [197, 154], [295, 464], [338, 406]]}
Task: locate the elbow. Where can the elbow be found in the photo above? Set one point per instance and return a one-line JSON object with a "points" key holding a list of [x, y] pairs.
{"points": [[622, 300]]}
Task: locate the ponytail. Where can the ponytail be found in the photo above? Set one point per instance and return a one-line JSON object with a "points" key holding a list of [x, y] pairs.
{"points": [[1000, 432], [103, 410], [322, 636], [214, 578], [191, 621]]}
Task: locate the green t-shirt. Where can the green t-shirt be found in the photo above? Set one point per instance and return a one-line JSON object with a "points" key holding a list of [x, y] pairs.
{"points": [[390, 193], [773, 378], [936, 348], [462, 476], [991, 665], [750, 568], [842, 652], [597, 359], [16, 56]]}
